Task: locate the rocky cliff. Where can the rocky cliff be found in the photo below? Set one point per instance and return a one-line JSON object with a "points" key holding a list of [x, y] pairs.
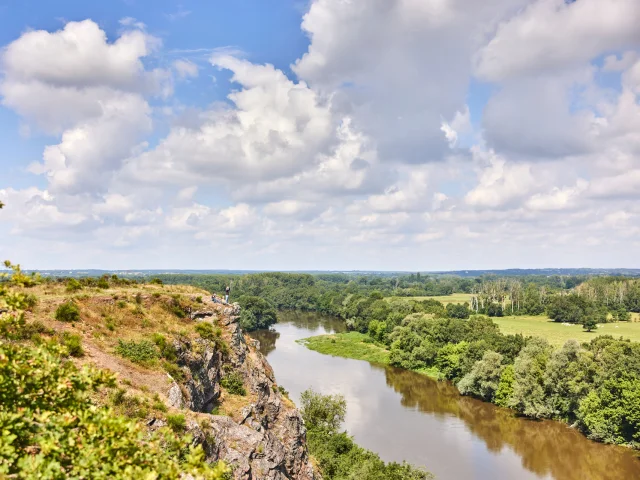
{"points": [[266, 438]]}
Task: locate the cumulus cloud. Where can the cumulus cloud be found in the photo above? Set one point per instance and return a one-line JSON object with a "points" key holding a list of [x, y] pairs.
{"points": [[553, 35], [382, 135]]}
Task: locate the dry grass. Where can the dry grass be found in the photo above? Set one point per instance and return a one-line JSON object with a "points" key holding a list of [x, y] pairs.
{"points": [[132, 312]]}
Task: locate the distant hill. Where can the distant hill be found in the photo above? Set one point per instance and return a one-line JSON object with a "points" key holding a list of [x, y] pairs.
{"points": [[512, 272]]}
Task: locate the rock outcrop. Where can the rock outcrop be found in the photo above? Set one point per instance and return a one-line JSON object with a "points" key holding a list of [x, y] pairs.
{"points": [[267, 439]]}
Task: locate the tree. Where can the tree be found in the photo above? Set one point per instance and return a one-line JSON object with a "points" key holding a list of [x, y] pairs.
{"points": [[568, 378], [484, 378], [505, 387], [528, 387], [589, 323], [322, 412], [256, 313], [611, 414]]}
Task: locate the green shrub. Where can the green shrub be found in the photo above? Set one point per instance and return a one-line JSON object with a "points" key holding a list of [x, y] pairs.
{"points": [[167, 350], [73, 343], [232, 382], [142, 352], [155, 295], [174, 370], [68, 312], [30, 301], [110, 323], [138, 298], [121, 304], [155, 281], [103, 283], [177, 422], [56, 432], [198, 299], [73, 285], [207, 331]]}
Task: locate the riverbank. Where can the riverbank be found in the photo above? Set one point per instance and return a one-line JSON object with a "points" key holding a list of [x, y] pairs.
{"points": [[358, 346]]}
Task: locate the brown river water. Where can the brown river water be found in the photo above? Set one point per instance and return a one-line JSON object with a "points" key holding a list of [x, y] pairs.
{"points": [[402, 415]]}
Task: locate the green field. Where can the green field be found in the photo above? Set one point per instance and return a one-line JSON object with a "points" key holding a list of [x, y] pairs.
{"points": [[446, 299], [558, 333], [348, 345]]}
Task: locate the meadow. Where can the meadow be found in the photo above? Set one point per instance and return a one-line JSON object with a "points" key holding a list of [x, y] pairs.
{"points": [[445, 299], [558, 333]]}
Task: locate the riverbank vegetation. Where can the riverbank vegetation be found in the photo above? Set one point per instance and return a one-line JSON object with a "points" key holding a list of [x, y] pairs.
{"points": [[595, 386], [338, 456]]}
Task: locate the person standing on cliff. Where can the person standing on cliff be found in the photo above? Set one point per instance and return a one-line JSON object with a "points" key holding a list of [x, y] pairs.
{"points": [[226, 294]]}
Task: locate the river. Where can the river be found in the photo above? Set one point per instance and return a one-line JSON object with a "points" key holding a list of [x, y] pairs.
{"points": [[405, 416]]}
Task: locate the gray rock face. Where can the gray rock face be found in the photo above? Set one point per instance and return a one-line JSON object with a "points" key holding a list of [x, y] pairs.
{"points": [[269, 440]]}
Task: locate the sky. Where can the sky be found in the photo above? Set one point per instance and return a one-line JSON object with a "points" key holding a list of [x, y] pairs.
{"points": [[408, 135]]}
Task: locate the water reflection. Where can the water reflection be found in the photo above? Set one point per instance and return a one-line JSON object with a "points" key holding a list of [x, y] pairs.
{"points": [[546, 448], [403, 415]]}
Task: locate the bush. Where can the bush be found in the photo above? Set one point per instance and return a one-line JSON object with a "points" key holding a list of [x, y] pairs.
{"points": [[56, 432], [103, 283], [73, 285], [68, 312], [174, 370], [167, 350], [232, 382], [29, 301], [207, 331], [73, 343], [142, 352], [155, 281], [177, 422]]}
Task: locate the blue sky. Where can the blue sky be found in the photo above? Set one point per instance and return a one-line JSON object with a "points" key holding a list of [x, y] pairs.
{"points": [[408, 134]]}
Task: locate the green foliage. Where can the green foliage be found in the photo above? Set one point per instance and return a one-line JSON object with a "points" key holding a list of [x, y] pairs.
{"points": [[528, 388], [156, 281], [213, 334], [50, 429], [337, 454], [505, 387], [256, 313], [167, 350], [589, 323], [174, 370], [207, 331], [569, 376], [73, 285], [322, 412], [67, 312], [484, 378], [611, 414], [177, 422], [142, 352], [457, 310], [233, 383], [73, 344]]}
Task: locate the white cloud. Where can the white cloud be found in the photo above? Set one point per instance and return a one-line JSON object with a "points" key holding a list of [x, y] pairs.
{"points": [[554, 35], [366, 146], [499, 182], [185, 68]]}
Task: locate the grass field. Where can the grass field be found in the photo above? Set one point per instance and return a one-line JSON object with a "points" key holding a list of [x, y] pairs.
{"points": [[446, 299], [558, 333], [348, 345]]}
